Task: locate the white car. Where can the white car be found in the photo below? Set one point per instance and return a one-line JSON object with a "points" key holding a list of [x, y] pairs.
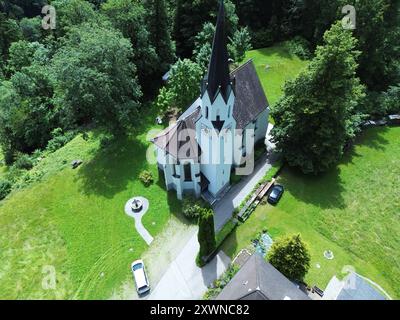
{"points": [[140, 277]]}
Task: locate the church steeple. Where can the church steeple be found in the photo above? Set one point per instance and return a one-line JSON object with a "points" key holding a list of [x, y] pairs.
{"points": [[218, 79]]}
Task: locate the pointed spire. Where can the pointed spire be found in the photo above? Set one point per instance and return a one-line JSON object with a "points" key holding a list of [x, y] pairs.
{"points": [[218, 78]]}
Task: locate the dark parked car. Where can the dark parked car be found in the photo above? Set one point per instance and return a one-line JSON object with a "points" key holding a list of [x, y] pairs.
{"points": [[275, 194]]}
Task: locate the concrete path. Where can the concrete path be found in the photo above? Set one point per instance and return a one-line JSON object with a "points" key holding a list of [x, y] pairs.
{"points": [[138, 218], [184, 280], [224, 208]]}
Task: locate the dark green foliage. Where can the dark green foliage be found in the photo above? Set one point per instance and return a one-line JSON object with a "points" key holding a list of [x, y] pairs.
{"points": [[80, 75], [206, 235], [318, 113], [182, 88], [239, 44], [23, 162], [191, 207], [129, 17], [291, 257], [190, 16], [262, 38], [5, 188], [160, 33], [300, 47], [72, 13], [31, 28], [219, 284], [9, 33], [146, 177], [59, 139]]}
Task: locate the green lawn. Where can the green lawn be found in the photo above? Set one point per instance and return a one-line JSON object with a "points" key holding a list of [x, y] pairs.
{"points": [[74, 220], [282, 67], [353, 210]]}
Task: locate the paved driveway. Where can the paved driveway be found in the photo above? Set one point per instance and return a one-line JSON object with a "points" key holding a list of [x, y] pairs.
{"points": [[184, 280], [224, 208]]}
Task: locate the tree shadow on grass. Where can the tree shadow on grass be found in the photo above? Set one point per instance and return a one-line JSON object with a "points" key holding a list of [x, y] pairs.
{"points": [[325, 190], [113, 166], [174, 204]]}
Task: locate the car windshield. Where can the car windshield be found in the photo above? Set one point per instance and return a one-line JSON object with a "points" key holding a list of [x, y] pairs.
{"points": [[137, 266], [143, 288]]}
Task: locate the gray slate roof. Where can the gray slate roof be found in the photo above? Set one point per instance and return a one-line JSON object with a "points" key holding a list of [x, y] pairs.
{"points": [[250, 99], [360, 290], [259, 280]]}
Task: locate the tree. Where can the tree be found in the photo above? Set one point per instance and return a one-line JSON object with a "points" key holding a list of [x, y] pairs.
{"points": [[71, 13], [206, 235], [318, 113], [183, 85], [159, 33], [190, 16], [129, 17], [291, 257], [239, 44], [9, 33], [93, 83], [23, 53], [203, 45], [31, 29]]}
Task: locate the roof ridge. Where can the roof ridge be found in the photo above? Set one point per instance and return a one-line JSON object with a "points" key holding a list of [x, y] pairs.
{"points": [[241, 66]]}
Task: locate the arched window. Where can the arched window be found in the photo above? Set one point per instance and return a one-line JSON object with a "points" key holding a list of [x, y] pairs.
{"points": [[206, 112], [188, 171]]}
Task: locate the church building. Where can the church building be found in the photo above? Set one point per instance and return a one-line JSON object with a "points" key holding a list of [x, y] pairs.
{"points": [[217, 133]]}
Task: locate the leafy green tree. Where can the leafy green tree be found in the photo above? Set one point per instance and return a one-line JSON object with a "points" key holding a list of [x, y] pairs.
{"points": [[23, 53], [291, 257], [129, 17], [190, 16], [9, 33], [183, 84], [206, 235], [239, 44], [31, 28], [93, 83], [165, 100], [159, 33], [203, 45], [318, 113], [71, 13]]}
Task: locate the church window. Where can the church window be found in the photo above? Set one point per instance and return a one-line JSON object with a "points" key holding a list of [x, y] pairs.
{"points": [[188, 172], [206, 112]]}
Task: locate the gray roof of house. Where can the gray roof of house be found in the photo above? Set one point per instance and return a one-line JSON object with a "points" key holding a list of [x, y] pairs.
{"points": [[359, 289], [259, 280], [250, 99]]}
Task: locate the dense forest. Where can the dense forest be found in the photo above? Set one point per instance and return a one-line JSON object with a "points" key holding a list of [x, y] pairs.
{"points": [[50, 79]]}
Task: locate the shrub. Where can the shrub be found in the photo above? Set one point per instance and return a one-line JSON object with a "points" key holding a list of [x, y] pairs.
{"points": [[262, 38], [220, 283], [24, 162], [5, 188], [146, 177], [206, 236], [192, 207], [59, 139], [300, 47], [291, 257]]}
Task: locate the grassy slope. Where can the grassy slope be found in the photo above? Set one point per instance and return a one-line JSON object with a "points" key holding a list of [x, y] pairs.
{"points": [[74, 220], [282, 66], [353, 210]]}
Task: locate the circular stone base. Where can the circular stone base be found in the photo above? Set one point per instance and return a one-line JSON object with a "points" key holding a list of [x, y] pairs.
{"points": [[328, 254]]}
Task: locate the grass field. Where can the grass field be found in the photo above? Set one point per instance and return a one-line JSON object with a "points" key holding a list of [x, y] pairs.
{"points": [[353, 210], [74, 221], [282, 66]]}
